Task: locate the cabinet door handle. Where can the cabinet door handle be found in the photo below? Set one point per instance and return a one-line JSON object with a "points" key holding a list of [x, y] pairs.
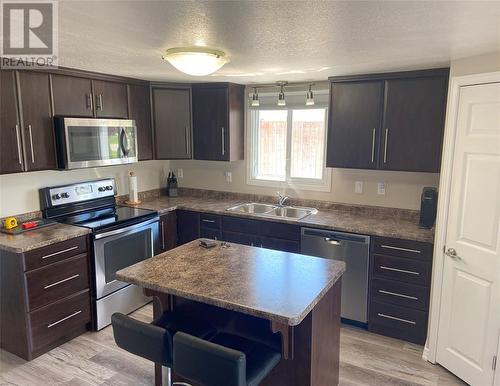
{"points": [[400, 249], [396, 294], [162, 236], [99, 102], [209, 221], [186, 133], [63, 319], [385, 145], [31, 144], [399, 270], [18, 141], [59, 252], [398, 319], [90, 103], [373, 145], [61, 281], [223, 142]]}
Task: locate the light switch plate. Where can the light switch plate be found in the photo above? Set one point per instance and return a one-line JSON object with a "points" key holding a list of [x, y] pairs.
{"points": [[228, 176], [381, 188], [180, 173], [358, 187]]}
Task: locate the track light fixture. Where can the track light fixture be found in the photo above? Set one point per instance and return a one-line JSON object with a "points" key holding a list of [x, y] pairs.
{"points": [[310, 96], [255, 98], [281, 95]]}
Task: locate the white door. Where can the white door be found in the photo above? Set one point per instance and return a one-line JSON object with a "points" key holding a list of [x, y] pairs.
{"points": [[469, 322]]}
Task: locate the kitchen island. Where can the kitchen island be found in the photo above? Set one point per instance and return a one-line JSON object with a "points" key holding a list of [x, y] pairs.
{"points": [[293, 297]]}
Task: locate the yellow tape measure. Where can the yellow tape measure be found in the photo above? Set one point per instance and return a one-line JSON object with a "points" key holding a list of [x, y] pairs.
{"points": [[10, 222]]}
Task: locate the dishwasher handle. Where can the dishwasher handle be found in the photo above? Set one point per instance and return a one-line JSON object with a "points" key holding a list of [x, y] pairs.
{"points": [[332, 241]]}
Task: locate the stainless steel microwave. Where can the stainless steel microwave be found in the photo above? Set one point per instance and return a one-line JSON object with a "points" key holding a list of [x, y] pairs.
{"points": [[87, 142]]}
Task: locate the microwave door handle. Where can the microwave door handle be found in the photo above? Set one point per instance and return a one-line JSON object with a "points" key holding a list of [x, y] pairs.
{"points": [[124, 143]]}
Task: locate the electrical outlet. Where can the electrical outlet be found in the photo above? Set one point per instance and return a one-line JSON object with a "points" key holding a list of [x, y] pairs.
{"points": [[228, 176], [180, 173], [358, 187], [381, 188]]}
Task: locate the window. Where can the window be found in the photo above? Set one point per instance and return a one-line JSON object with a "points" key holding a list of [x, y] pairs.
{"points": [[288, 146]]}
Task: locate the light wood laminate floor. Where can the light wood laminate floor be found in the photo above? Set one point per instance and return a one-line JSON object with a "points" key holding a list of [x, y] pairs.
{"points": [[94, 359]]}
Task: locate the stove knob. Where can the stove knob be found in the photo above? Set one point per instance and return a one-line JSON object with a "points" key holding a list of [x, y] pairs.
{"points": [[101, 189], [109, 187], [65, 195], [56, 196]]}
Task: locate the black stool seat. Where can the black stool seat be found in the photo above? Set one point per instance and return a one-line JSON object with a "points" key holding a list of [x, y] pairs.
{"points": [[154, 341], [225, 359]]}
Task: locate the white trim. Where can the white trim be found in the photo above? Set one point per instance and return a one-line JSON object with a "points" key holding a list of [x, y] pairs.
{"points": [[430, 350]]}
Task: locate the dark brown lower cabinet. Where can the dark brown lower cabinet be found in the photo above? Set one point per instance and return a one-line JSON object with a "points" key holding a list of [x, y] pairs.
{"points": [[400, 281], [188, 226], [44, 297], [168, 231]]}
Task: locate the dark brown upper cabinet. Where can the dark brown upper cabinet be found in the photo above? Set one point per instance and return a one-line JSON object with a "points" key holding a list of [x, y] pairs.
{"points": [[218, 124], [139, 109], [38, 132], [27, 137], [82, 97], [11, 154], [391, 121], [172, 123], [355, 118], [72, 96], [110, 99], [412, 132]]}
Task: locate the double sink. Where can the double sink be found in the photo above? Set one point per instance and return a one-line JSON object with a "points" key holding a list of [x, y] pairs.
{"points": [[269, 210]]}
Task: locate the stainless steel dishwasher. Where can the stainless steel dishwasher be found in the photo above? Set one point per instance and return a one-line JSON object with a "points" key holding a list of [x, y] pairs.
{"points": [[354, 250]]}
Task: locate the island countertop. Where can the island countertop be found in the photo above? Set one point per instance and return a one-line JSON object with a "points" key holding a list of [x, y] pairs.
{"points": [[279, 286]]}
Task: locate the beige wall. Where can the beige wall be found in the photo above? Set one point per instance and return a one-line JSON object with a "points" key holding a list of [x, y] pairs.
{"points": [[476, 64], [19, 192], [402, 189]]}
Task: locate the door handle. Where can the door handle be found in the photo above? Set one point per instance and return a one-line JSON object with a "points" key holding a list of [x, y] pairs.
{"points": [[31, 144], [99, 102], [90, 103], [18, 141], [223, 142], [373, 145], [451, 252], [186, 133], [385, 145]]}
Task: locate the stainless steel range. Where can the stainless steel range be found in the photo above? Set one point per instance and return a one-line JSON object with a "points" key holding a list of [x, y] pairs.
{"points": [[121, 236]]}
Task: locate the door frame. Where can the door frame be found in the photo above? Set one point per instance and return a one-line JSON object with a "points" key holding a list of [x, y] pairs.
{"points": [[430, 349]]}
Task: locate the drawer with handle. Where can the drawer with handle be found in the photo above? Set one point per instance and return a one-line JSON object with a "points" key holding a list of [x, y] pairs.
{"points": [[210, 221], [398, 293], [401, 269], [399, 322], [60, 320], [48, 284], [402, 248], [55, 252]]}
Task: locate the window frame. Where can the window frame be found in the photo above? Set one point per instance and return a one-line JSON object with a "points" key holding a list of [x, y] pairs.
{"points": [[321, 185]]}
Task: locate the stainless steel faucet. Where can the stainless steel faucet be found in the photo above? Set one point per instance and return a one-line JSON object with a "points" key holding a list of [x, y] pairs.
{"points": [[281, 199]]}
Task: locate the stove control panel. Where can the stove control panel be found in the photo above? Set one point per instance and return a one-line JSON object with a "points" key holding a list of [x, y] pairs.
{"points": [[84, 191]]}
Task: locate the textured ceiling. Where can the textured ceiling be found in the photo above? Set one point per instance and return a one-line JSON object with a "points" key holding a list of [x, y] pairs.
{"points": [[275, 40]]}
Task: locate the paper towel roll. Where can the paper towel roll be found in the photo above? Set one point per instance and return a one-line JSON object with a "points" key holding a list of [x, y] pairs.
{"points": [[133, 195]]}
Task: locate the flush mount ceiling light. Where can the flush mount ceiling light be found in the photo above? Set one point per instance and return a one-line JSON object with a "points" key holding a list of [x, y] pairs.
{"points": [[310, 97], [197, 61], [281, 95], [255, 98]]}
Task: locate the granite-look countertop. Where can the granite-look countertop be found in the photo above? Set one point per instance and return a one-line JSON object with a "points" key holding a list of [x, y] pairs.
{"points": [[279, 286], [42, 237], [380, 222]]}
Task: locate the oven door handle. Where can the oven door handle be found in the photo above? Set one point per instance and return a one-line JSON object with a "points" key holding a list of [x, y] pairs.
{"points": [[126, 229]]}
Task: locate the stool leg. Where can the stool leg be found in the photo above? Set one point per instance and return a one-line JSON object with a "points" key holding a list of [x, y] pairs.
{"points": [[166, 376]]}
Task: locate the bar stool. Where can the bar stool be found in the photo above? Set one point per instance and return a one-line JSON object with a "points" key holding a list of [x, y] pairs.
{"points": [[224, 359], [154, 341]]}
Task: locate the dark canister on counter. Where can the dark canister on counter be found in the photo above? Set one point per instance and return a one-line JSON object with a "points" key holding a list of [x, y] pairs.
{"points": [[428, 207]]}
